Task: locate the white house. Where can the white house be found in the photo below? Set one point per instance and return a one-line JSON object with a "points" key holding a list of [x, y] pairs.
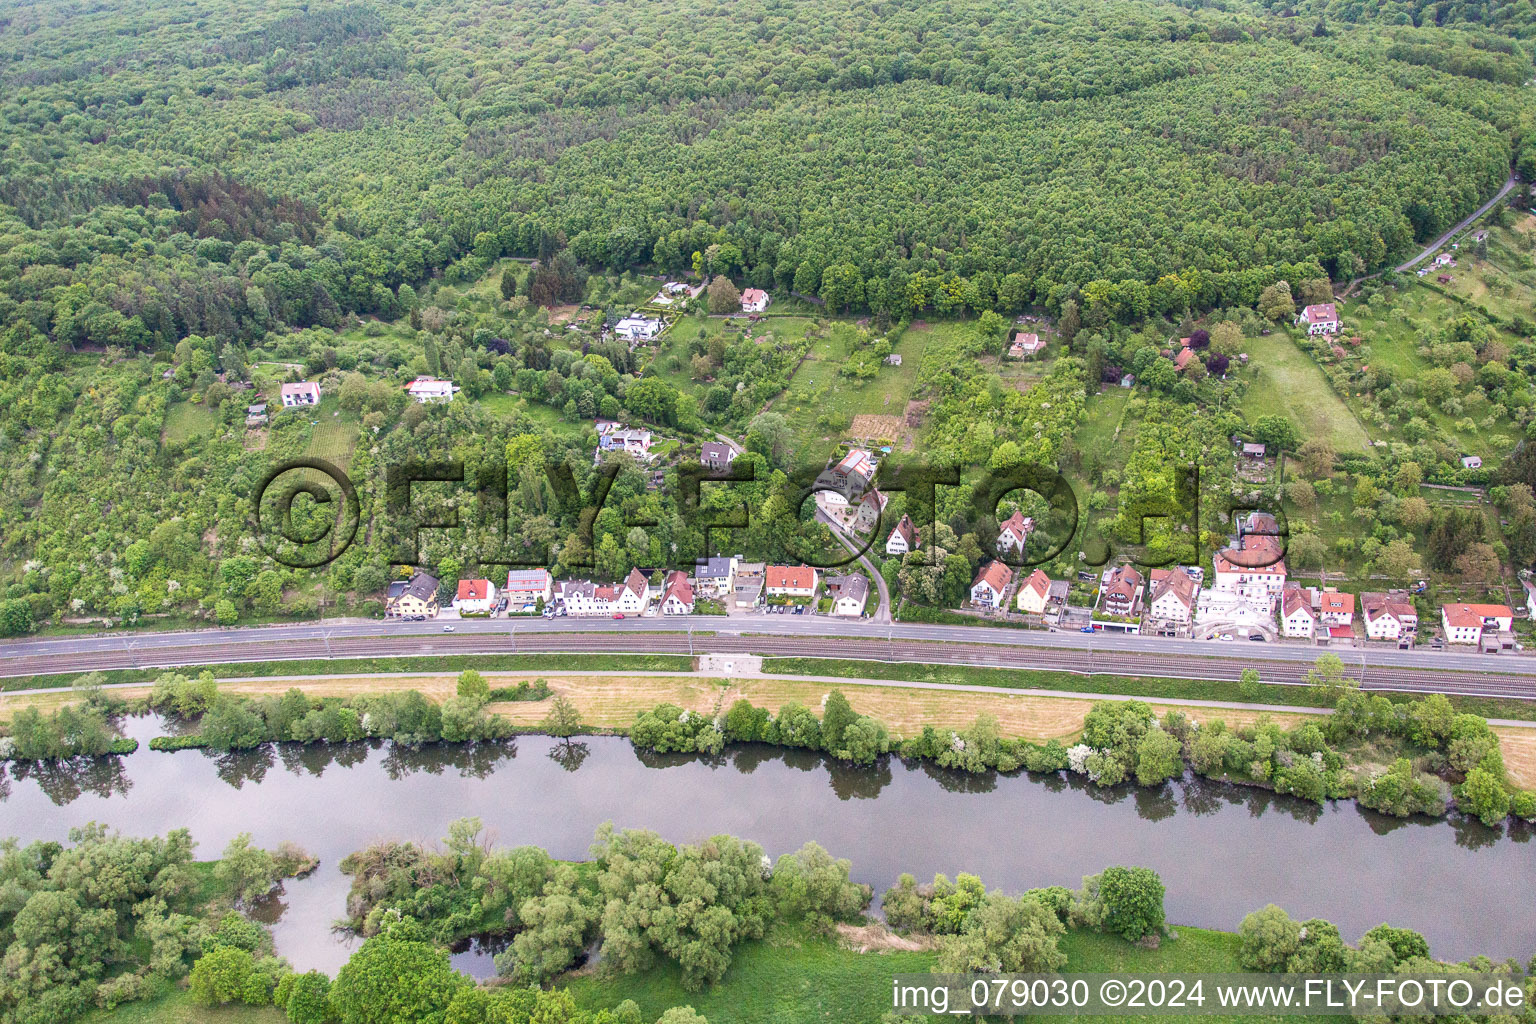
{"points": [[1173, 595], [305, 392], [790, 580], [1322, 318], [989, 585], [637, 328], [677, 594], [713, 576], [429, 389], [1336, 610], [903, 537], [1471, 462], [754, 300], [1297, 617], [1470, 623], [1014, 533], [528, 587], [583, 597], [716, 455], [849, 594], [1388, 616], [633, 594], [612, 437], [1034, 593], [1251, 580], [475, 597]]}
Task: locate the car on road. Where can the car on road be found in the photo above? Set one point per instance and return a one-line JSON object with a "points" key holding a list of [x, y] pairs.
{"points": [[1086, 629], [618, 615], [447, 629], [1225, 636]]}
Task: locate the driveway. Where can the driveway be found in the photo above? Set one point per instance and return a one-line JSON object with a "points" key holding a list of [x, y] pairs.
{"points": [[882, 613]]}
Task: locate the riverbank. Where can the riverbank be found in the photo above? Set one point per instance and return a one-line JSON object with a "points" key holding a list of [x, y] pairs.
{"points": [[608, 702]]}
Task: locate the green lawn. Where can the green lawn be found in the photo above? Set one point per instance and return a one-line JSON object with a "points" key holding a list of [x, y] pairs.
{"points": [[1289, 383], [176, 1007], [184, 421], [789, 978]]}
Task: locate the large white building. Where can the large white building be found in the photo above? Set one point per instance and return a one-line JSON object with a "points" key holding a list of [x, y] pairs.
{"points": [[428, 389], [528, 587], [637, 328], [1389, 616], [304, 392], [1322, 318], [1473, 623]]}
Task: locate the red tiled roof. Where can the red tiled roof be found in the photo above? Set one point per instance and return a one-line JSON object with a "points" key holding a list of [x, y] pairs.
{"points": [[907, 531], [1039, 582], [995, 574], [474, 590], [1322, 312], [1335, 603], [1471, 616], [794, 577]]}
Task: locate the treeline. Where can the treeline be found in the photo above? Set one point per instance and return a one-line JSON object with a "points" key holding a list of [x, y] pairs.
{"points": [[109, 920], [643, 899], [1437, 759], [227, 721]]}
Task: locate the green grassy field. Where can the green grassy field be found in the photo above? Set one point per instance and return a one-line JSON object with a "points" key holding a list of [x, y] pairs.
{"points": [[793, 978], [184, 421], [1289, 383]]}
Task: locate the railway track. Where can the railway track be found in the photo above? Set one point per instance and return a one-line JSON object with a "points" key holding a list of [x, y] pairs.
{"points": [[1084, 662]]}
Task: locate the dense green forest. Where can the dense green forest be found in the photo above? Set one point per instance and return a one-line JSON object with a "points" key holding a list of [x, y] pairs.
{"points": [[200, 200]]}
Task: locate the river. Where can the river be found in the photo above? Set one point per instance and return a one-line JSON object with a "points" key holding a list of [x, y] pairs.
{"points": [[1222, 850]]}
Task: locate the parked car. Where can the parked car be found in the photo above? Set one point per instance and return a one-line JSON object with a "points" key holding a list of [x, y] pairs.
{"points": [[618, 615], [1256, 636], [1086, 629]]}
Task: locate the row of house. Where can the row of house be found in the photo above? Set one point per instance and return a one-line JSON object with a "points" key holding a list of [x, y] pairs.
{"points": [[534, 590]]}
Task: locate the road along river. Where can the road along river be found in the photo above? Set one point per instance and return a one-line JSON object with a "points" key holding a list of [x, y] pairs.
{"points": [[1221, 850]]}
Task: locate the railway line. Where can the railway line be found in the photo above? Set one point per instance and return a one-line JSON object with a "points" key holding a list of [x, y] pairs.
{"points": [[1084, 660]]}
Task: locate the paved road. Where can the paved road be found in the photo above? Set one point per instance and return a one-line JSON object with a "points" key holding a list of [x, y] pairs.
{"points": [[883, 612], [1440, 242], [783, 636]]}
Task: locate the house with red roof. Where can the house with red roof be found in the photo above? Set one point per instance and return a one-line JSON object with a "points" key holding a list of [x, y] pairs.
{"points": [[754, 300], [1477, 623], [475, 597], [1320, 318], [991, 582]]}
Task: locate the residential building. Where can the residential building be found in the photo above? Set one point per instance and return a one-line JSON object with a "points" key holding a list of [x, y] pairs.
{"points": [[1476, 623], [871, 504], [1026, 345], [1254, 451], [1256, 567], [754, 300], [585, 598], [1182, 359], [790, 580], [1389, 616], [1013, 534], [1322, 318], [305, 392], [633, 594], [1471, 462], [1298, 618], [716, 455], [1173, 596], [991, 582], [634, 441], [848, 593], [1120, 591], [428, 389], [853, 472], [528, 587], [903, 537], [1034, 593], [676, 594], [1336, 609], [475, 597], [713, 576], [416, 596], [635, 329], [256, 415]]}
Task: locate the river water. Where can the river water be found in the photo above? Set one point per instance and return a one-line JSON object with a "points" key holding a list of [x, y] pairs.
{"points": [[1221, 850]]}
